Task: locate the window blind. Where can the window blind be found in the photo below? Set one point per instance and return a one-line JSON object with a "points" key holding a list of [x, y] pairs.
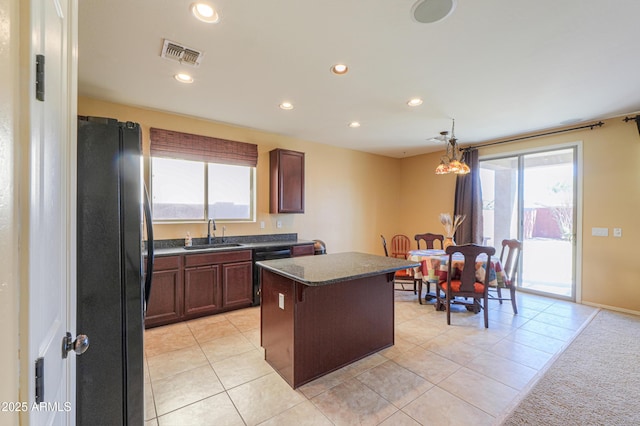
{"points": [[186, 146]]}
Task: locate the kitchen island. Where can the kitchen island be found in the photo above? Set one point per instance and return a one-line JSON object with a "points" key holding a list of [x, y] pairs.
{"points": [[320, 313]]}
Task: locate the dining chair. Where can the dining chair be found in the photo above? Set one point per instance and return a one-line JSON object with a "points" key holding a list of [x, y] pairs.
{"points": [[400, 246], [429, 239], [509, 259], [402, 276], [463, 282]]}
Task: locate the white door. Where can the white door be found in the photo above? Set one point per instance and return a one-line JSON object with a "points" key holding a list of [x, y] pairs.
{"points": [[51, 211]]}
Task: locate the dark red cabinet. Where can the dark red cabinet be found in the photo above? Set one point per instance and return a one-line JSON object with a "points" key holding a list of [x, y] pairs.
{"points": [[286, 181], [165, 302], [303, 250], [237, 284], [202, 291], [191, 286]]}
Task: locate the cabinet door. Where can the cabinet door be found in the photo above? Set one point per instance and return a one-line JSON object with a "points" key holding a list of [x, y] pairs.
{"points": [[165, 303], [238, 284], [202, 291], [287, 181]]}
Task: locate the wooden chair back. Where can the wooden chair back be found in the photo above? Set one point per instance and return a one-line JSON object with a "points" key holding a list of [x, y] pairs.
{"points": [[468, 274], [400, 245], [402, 276], [429, 239], [468, 286], [512, 249], [384, 245]]}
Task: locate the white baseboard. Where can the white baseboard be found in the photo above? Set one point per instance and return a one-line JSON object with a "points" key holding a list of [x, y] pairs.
{"points": [[612, 308]]}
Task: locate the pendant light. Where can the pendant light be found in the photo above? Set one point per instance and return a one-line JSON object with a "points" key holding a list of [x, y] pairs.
{"points": [[452, 161]]}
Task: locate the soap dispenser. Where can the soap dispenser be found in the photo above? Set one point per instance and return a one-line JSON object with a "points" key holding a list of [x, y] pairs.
{"points": [[187, 240]]}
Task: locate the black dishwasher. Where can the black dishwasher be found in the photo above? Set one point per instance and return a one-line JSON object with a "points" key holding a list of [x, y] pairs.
{"points": [[265, 253]]}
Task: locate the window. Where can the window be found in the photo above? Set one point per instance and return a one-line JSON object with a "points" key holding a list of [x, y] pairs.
{"points": [[230, 190], [532, 196], [187, 185]]}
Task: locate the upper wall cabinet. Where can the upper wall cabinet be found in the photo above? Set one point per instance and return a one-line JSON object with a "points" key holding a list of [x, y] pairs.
{"points": [[287, 181]]}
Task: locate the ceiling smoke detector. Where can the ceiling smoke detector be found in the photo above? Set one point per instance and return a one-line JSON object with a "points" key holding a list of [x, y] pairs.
{"points": [[183, 54]]}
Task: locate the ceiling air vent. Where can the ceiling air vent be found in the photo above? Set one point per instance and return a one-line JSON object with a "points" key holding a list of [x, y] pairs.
{"points": [[180, 53]]}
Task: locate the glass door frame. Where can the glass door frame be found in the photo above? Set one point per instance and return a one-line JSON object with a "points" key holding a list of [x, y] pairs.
{"points": [[577, 200]]}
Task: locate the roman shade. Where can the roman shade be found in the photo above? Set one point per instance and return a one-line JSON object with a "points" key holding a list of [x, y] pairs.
{"points": [[186, 146]]}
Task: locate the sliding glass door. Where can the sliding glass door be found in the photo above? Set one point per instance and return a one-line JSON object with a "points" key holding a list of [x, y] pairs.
{"points": [[532, 197]]}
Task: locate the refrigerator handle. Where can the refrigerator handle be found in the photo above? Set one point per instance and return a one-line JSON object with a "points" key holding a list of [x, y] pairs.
{"points": [[150, 254]]}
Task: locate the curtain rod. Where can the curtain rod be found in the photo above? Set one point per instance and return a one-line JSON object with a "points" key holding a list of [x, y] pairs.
{"points": [[537, 135], [636, 119]]}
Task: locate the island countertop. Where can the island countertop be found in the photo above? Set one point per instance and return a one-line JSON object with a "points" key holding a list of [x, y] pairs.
{"points": [[332, 268]]}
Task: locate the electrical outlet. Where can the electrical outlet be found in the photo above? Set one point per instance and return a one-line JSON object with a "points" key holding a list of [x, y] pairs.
{"points": [[279, 224], [262, 224], [600, 232], [617, 232]]}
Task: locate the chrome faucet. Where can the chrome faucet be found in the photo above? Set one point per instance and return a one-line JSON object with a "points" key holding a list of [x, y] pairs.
{"points": [[209, 230]]}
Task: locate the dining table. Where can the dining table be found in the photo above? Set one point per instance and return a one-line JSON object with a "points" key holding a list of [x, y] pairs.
{"points": [[434, 269]]}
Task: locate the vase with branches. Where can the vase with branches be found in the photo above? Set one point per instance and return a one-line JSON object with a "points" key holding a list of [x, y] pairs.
{"points": [[450, 227]]}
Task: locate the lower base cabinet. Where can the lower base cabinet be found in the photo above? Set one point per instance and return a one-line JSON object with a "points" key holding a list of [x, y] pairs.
{"points": [[165, 302], [237, 279], [202, 290], [191, 286]]}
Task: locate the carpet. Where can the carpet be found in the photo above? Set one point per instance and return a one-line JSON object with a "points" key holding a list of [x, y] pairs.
{"points": [[595, 381]]}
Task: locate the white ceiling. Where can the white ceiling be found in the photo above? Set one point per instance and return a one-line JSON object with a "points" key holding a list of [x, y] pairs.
{"points": [[499, 67]]}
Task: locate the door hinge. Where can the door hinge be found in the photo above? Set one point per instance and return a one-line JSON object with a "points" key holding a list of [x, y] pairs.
{"points": [[39, 380], [40, 77]]}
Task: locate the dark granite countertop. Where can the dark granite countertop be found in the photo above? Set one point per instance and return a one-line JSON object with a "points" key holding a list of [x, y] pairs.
{"points": [[247, 242], [333, 268]]}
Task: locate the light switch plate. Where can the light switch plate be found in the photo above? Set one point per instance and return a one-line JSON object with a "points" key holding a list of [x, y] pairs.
{"points": [[617, 232], [600, 232], [279, 224], [262, 224], [281, 301]]}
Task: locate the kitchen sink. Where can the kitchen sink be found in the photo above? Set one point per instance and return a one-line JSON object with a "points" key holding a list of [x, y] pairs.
{"points": [[213, 246]]}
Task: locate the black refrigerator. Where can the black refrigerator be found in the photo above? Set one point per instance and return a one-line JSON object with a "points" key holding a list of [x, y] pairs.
{"points": [[112, 285]]}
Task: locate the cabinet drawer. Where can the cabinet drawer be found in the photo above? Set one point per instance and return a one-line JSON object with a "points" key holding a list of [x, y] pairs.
{"points": [[215, 258], [166, 263], [305, 250]]}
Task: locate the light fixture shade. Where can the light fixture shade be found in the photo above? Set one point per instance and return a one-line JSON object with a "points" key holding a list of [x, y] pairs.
{"points": [[455, 166], [464, 169], [442, 169]]}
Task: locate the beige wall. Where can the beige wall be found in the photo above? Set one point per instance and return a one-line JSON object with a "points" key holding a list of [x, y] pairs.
{"points": [[611, 198], [350, 197]]}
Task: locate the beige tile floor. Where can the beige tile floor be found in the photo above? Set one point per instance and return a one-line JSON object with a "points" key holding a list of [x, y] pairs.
{"points": [[211, 371]]}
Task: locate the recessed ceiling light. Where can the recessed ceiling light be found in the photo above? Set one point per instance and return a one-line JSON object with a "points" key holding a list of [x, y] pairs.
{"points": [[205, 13], [354, 124], [414, 102], [339, 69], [286, 105], [183, 78]]}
